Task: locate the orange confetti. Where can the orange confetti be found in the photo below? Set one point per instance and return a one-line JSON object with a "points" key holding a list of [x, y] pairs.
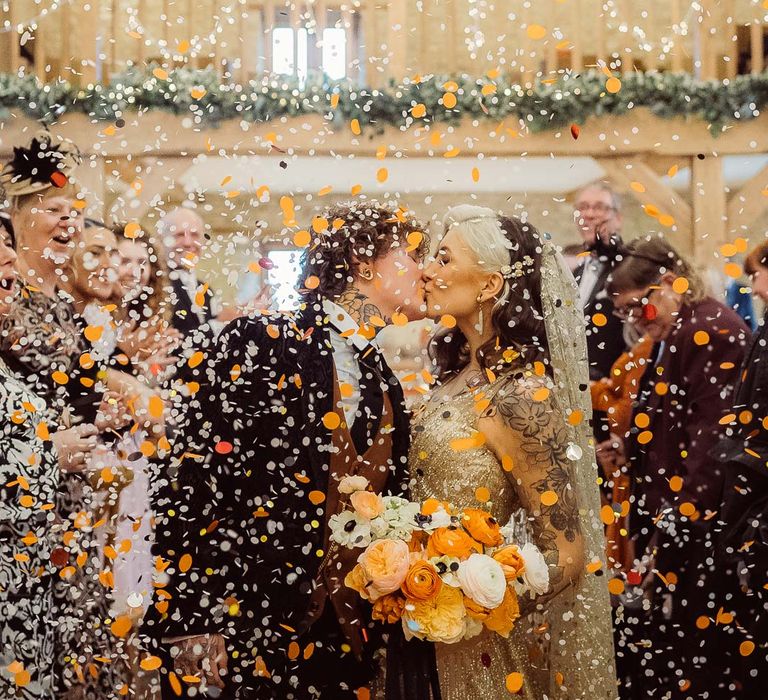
{"points": [[645, 437], [468, 443], [637, 186], [599, 320], [195, 359], [702, 622], [59, 377], [733, 270], [355, 126], [676, 483], [549, 498], [382, 174], [746, 647], [541, 394], [448, 321], [334, 100], [198, 93], [607, 515], [331, 420], [616, 586], [419, 111], [535, 31], [642, 420], [701, 337], [160, 74], [316, 498], [482, 494], [399, 318], [514, 682], [687, 509], [449, 100], [185, 563], [613, 85], [121, 626], [151, 663], [680, 285]]}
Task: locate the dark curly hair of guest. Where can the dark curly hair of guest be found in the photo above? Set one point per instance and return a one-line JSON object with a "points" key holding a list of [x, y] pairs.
{"points": [[347, 234], [519, 335]]}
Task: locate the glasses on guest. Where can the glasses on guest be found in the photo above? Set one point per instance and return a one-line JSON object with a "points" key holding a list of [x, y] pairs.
{"points": [[597, 207], [636, 310]]}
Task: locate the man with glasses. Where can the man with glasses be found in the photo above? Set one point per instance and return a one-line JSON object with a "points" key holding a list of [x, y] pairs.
{"points": [[597, 214]]}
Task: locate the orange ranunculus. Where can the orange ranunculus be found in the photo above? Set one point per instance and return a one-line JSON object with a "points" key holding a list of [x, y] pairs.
{"points": [[475, 610], [482, 526], [388, 608], [502, 619], [422, 582], [452, 542], [511, 561], [429, 506]]}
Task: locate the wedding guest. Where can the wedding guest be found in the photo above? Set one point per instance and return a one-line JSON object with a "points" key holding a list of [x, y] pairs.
{"points": [[42, 343], [33, 455], [699, 344], [742, 540], [146, 335], [597, 214], [194, 302]]}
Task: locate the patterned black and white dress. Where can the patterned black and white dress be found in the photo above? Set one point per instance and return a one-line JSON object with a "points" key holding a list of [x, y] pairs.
{"points": [[29, 478], [41, 339]]}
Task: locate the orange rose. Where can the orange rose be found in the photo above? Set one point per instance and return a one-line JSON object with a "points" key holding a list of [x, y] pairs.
{"points": [[511, 561], [422, 582], [476, 611], [502, 619], [452, 542], [366, 504], [388, 608], [482, 526]]}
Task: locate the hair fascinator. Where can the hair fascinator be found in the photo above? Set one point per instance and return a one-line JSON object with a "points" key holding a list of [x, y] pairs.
{"points": [[40, 165]]}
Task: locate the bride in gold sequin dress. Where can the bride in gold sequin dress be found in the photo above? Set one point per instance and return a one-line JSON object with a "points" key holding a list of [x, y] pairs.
{"points": [[506, 429]]}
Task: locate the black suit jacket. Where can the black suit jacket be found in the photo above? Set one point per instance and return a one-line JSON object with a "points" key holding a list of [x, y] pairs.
{"points": [[604, 343], [236, 519], [184, 319]]}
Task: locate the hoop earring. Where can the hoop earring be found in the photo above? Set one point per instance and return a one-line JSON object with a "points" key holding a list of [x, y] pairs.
{"points": [[367, 274], [480, 325]]}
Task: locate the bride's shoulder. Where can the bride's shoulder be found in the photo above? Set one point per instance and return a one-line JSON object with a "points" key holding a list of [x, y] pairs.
{"points": [[522, 384]]}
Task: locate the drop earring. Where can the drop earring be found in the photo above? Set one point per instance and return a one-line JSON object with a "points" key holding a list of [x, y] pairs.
{"points": [[367, 274], [480, 324]]}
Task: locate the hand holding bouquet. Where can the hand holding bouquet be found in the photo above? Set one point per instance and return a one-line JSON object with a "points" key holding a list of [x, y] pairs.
{"points": [[443, 573]]}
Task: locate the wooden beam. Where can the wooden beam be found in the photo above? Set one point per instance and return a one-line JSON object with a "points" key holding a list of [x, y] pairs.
{"points": [[156, 132], [88, 24], [626, 171], [397, 39], [732, 52], [746, 205], [10, 51], [677, 48], [38, 48], [709, 208], [756, 46]]}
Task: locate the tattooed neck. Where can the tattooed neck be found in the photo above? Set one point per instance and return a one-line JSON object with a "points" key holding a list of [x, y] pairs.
{"points": [[359, 306]]}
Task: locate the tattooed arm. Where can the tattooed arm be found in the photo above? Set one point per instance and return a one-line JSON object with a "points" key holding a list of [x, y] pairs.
{"points": [[359, 306], [526, 426]]}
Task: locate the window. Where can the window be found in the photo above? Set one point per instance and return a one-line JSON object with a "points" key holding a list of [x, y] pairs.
{"points": [[283, 278], [295, 51]]}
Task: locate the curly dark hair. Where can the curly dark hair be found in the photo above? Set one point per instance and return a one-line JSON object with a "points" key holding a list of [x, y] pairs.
{"points": [[350, 233], [517, 318]]}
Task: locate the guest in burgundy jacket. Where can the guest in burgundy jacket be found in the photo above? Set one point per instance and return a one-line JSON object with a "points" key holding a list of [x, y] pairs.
{"points": [[699, 345]]}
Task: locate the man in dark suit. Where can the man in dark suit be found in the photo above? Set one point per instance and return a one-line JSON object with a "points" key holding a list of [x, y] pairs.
{"points": [[194, 303], [285, 406], [597, 214]]}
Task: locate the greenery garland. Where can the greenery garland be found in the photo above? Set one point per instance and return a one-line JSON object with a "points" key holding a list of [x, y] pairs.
{"points": [[571, 99]]}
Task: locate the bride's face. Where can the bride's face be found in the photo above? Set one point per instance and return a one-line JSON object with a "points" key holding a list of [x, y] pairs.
{"points": [[453, 280]]}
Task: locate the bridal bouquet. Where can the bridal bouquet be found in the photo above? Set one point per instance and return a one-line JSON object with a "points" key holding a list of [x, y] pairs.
{"points": [[443, 573]]}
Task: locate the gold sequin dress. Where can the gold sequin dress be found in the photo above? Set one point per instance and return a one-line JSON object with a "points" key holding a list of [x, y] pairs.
{"points": [[474, 668]]}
